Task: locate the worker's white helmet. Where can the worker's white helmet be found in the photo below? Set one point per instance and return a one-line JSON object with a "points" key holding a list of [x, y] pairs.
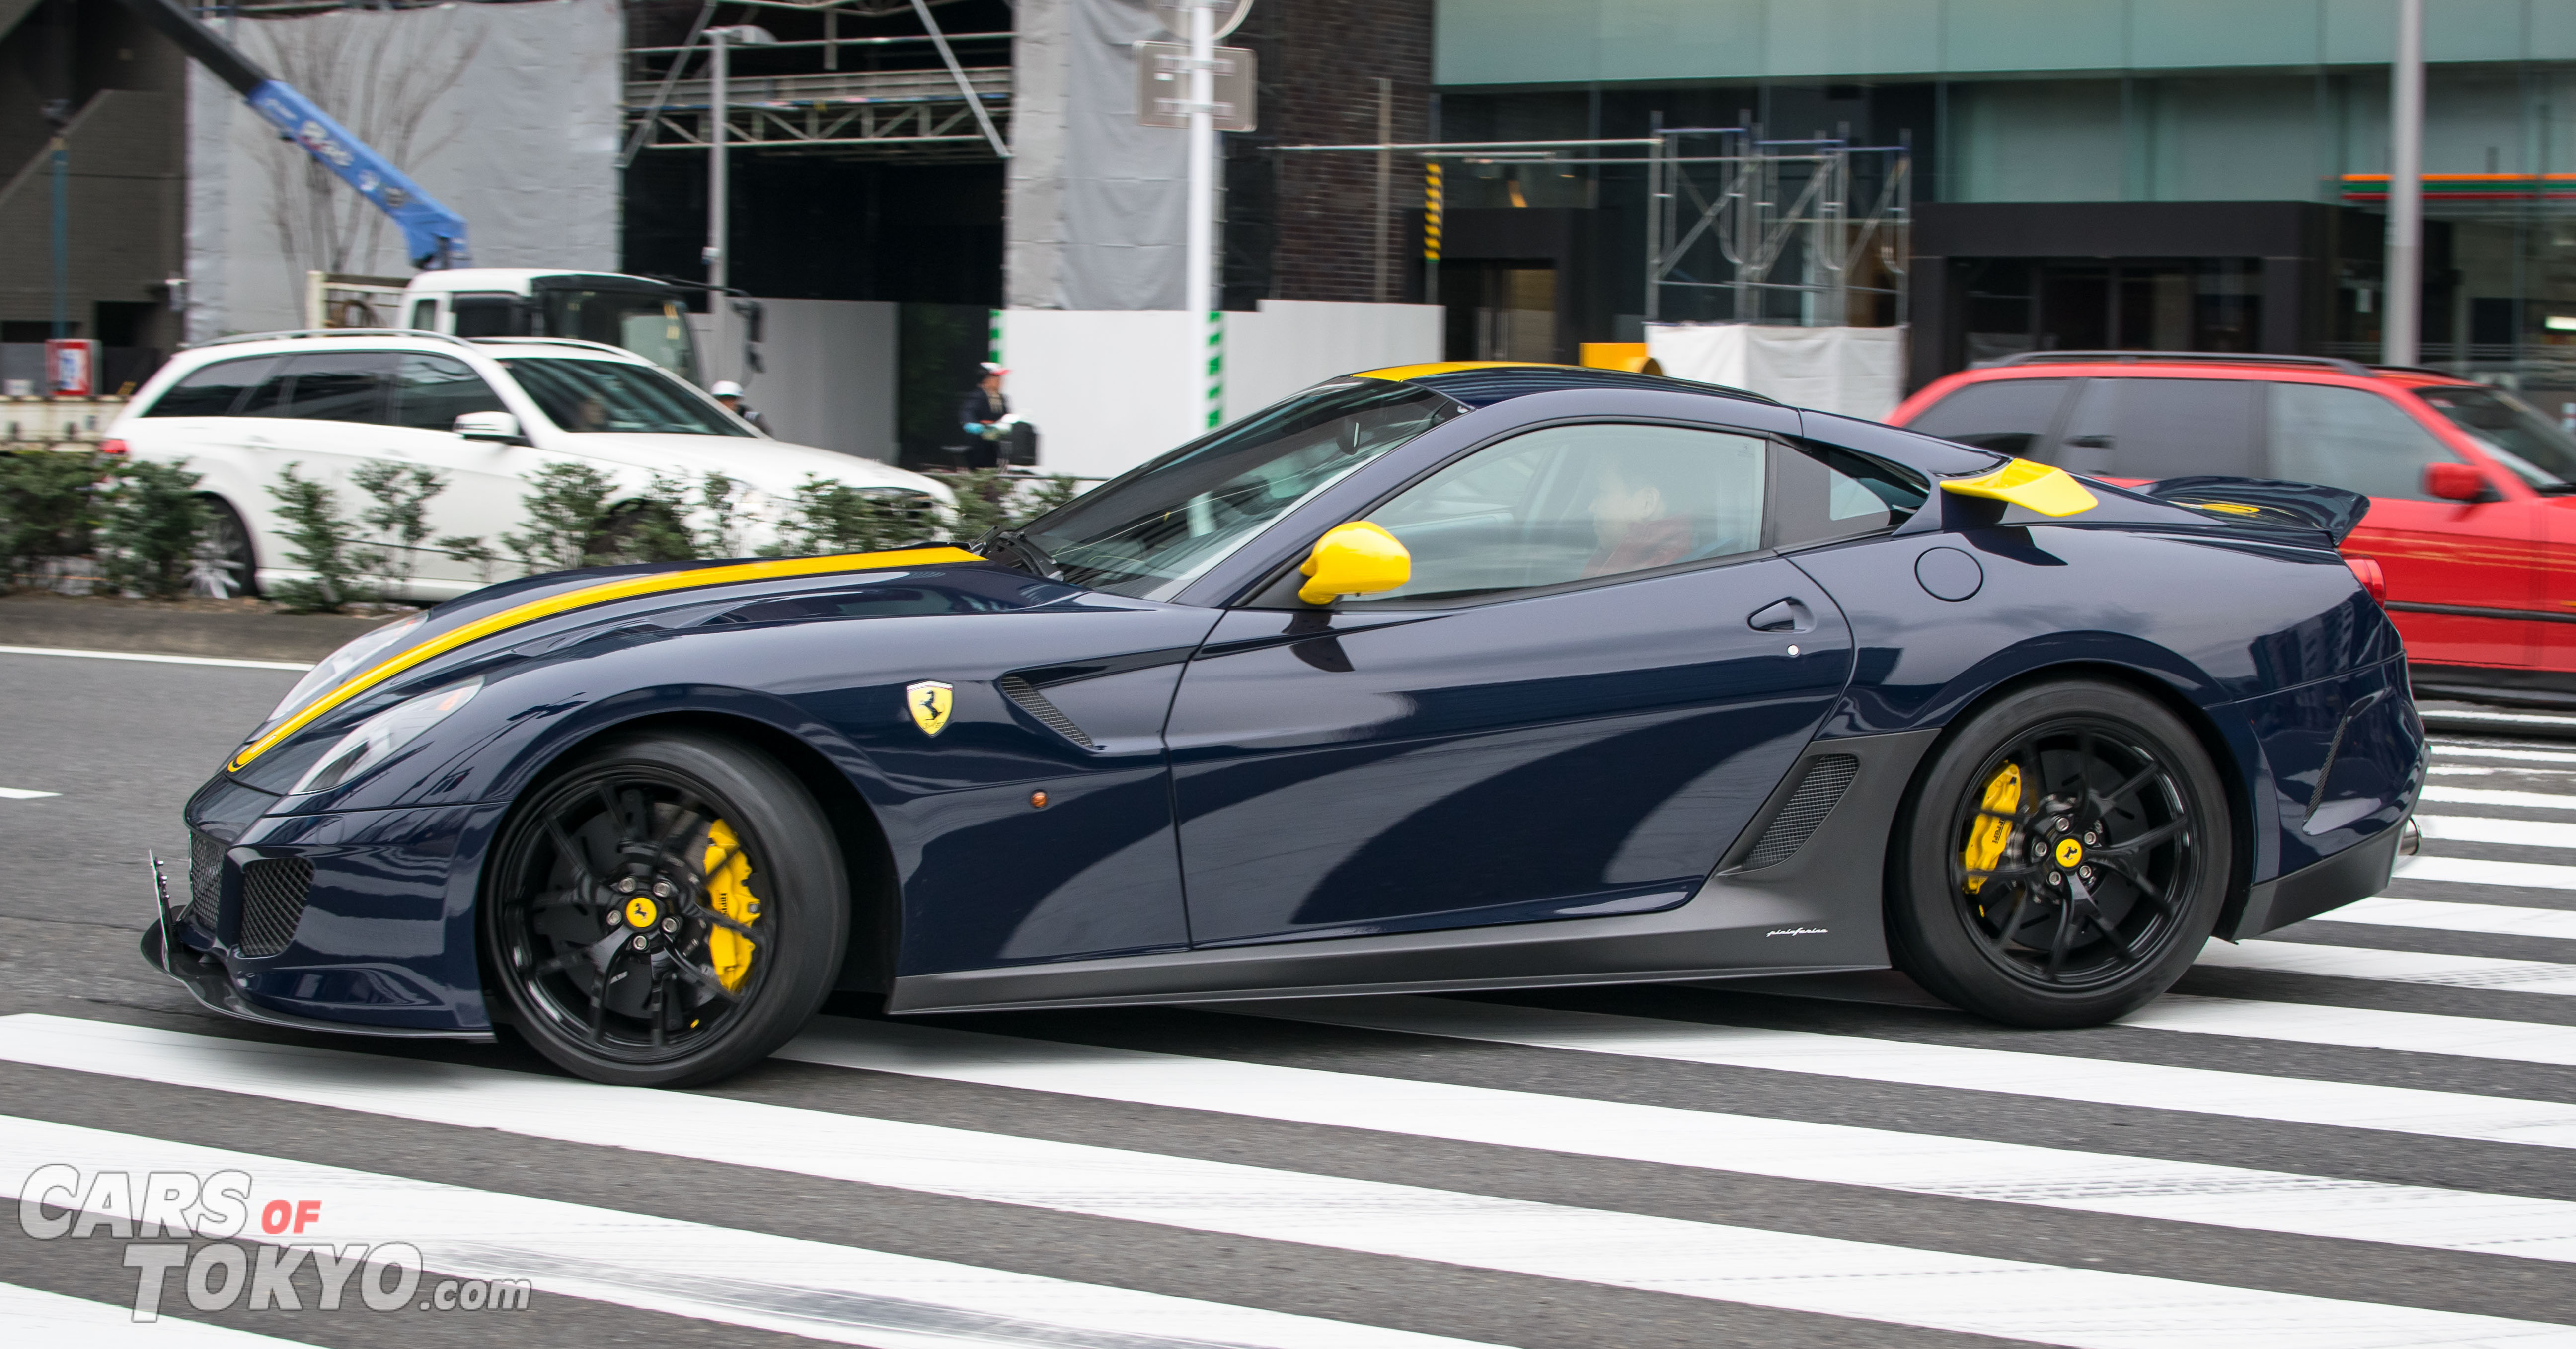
{"points": [[726, 388]]}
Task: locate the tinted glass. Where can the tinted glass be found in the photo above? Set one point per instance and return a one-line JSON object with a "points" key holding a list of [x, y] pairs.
{"points": [[1571, 503], [2010, 415], [2162, 428], [1153, 531], [2537, 449], [431, 392], [1819, 493], [339, 386], [647, 323], [212, 390], [486, 316], [2353, 439], [268, 399], [580, 395]]}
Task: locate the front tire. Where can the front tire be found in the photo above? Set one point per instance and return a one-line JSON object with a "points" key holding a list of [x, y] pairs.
{"points": [[2062, 860], [665, 912]]}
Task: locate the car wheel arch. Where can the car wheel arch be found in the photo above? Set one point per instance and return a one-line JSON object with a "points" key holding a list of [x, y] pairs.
{"points": [[2212, 738], [867, 857]]}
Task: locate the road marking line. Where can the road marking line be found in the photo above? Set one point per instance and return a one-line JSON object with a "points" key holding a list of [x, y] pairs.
{"points": [[35, 1316], [153, 659], [2479, 871], [23, 794], [2445, 749], [2487, 796], [2144, 1086], [2503, 920], [1968, 1293], [816, 1289], [2485, 829], [2360, 1028], [2395, 967]]}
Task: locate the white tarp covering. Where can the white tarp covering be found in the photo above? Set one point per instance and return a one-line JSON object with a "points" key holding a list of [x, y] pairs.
{"points": [[1858, 372], [1097, 213], [1111, 389], [827, 376], [508, 113]]}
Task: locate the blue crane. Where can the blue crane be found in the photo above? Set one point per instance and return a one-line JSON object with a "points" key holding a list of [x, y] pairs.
{"points": [[432, 234]]}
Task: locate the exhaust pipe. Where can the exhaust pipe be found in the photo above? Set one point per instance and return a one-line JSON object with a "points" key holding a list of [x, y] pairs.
{"points": [[2410, 839]]}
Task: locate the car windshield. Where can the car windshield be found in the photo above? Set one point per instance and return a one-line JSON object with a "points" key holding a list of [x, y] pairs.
{"points": [[1156, 529], [2511, 431], [651, 325], [585, 395]]}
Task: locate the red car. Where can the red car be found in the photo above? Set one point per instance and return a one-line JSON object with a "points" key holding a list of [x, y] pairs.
{"points": [[2472, 493]]}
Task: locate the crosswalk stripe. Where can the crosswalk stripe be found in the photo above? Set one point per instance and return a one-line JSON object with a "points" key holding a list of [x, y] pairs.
{"points": [[2503, 920], [2398, 967], [2479, 871], [815, 1289], [2482, 829], [2464, 749], [2360, 1028], [2490, 796], [2145, 1086], [925, 1157], [34, 1316], [1863, 1280]]}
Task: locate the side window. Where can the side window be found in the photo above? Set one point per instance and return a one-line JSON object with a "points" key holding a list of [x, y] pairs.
{"points": [[1820, 493], [424, 315], [1569, 503], [2010, 415], [486, 315], [212, 390], [339, 386], [431, 392], [269, 397], [2351, 438], [2163, 428]]}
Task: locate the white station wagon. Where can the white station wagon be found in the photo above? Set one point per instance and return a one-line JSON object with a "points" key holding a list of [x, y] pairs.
{"points": [[484, 413]]}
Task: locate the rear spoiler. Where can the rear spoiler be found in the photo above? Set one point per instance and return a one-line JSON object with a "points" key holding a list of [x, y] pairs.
{"points": [[2262, 501]]}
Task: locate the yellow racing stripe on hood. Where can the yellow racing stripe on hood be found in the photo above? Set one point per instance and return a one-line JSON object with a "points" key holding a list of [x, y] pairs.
{"points": [[566, 601]]}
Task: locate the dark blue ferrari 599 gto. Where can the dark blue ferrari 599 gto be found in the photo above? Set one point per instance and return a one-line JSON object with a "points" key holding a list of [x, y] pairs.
{"points": [[1443, 677]]}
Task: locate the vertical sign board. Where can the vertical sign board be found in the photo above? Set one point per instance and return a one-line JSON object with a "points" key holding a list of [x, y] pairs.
{"points": [[71, 367]]}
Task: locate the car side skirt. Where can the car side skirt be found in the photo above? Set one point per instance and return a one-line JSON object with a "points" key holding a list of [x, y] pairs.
{"points": [[1820, 908]]}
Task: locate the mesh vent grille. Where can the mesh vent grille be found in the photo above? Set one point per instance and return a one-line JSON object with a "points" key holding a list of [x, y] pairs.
{"points": [[1808, 806], [205, 880], [272, 903], [1035, 704]]}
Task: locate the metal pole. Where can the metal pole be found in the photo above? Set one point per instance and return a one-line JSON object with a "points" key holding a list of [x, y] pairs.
{"points": [[965, 89], [719, 274], [62, 168], [2402, 324], [1385, 178], [1199, 256]]}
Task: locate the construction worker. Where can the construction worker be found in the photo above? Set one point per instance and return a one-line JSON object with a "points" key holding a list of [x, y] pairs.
{"points": [[730, 394], [1001, 438]]}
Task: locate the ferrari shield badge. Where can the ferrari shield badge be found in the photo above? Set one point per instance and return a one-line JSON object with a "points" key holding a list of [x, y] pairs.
{"points": [[929, 702]]}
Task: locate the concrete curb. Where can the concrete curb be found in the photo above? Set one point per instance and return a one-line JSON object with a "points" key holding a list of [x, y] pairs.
{"points": [[202, 628]]}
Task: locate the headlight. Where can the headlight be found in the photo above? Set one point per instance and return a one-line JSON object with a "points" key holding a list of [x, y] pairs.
{"points": [[337, 667], [374, 740]]}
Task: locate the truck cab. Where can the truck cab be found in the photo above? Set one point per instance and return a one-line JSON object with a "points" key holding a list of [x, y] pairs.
{"points": [[649, 318]]}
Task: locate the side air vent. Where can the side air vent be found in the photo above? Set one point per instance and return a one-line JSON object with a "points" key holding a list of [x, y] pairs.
{"points": [[272, 903], [1808, 806], [205, 881], [1035, 704]]}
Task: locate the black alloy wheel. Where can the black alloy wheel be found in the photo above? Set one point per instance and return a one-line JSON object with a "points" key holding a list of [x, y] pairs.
{"points": [[2062, 860], [227, 561], [666, 912]]}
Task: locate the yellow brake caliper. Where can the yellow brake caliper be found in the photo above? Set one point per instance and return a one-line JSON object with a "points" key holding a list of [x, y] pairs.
{"points": [[729, 893], [1993, 829]]}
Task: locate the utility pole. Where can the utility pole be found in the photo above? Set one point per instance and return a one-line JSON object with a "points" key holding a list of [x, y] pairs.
{"points": [[1199, 257], [58, 114], [719, 264], [2400, 319]]}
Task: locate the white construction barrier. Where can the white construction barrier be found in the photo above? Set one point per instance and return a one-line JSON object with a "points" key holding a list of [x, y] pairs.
{"points": [[1110, 389], [1858, 372]]}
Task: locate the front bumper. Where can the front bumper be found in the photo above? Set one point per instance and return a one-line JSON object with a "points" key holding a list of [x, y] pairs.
{"points": [[204, 978]]}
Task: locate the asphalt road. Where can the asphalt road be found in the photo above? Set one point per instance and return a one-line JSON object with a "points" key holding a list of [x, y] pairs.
{"points": [[2354, 1134]]}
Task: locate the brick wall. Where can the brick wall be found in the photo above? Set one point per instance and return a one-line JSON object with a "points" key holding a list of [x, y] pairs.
{"points": [[1301, 226]]}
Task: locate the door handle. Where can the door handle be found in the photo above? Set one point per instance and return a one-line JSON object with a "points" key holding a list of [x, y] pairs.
{"points": [[2090, 442], [1783, 616]]}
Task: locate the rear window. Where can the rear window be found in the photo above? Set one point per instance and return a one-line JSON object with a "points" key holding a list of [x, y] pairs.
{"points": [[2010, 415], [2163, 428], [211, 390]]}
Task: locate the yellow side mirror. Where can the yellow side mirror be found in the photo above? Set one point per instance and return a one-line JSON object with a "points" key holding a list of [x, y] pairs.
{"points": [[1354, 559]]}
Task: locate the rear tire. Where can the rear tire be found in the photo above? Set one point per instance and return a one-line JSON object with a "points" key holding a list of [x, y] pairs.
{"points": [[226, 550], [632, 947], [2062, 860]]}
